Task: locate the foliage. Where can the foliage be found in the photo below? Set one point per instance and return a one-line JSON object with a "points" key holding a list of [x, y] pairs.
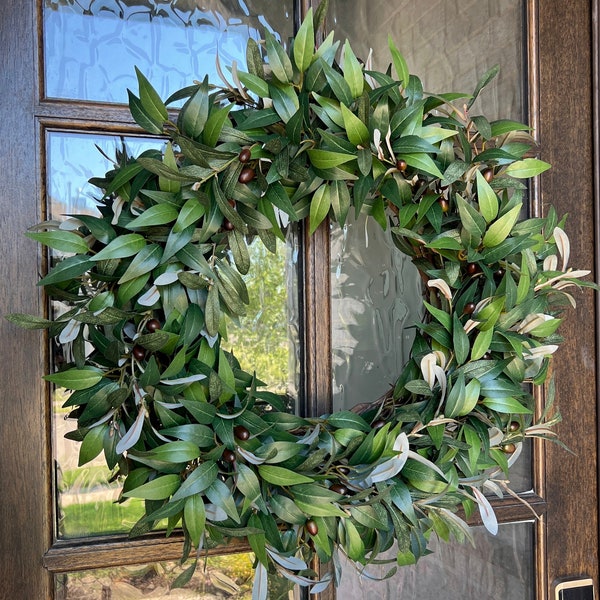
{"points": [[151, 282]]}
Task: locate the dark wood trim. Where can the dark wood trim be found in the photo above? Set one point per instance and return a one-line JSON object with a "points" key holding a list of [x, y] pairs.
{"points": [[25, 530], [565, 129]]}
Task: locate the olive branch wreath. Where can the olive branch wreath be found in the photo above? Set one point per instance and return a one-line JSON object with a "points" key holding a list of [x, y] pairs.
{"points": [[149, 283]]}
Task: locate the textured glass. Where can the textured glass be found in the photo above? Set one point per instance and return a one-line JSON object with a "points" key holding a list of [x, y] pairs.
{"points": [[376, 297], [92, 46], [218, 577], [448, 44], [500, 568], [267, 338]]}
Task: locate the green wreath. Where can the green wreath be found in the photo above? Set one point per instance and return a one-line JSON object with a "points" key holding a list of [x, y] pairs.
{"points": [[151, 280]]}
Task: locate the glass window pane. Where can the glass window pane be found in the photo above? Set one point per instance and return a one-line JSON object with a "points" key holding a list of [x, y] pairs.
{"points": [[448, 45], [228, 576], [92, 46], [375, 299], [266, 339], [497, 567]]}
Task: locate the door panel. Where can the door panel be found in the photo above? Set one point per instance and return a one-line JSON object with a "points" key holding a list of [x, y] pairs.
{"points": [[561, 54]]}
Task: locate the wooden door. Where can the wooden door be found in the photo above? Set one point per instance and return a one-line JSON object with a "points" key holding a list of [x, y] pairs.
{"points": [[561, 46]]}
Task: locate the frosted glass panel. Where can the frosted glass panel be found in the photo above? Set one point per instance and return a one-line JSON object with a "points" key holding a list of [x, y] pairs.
{"points": [[500, 567], [267, 338], [92, 46], [376, 298], [448, 44]]}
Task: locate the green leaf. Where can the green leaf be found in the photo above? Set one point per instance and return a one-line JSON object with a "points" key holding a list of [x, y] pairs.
{"points": [[29, 321], [63, 241], [254, 59], [214, 124], [76, 379], [99, 228], [338, 84], [346, 419], [440, 315], [286, 510], [279, 61], [500, 229], [326, 159], [255, 84], [399, 63], [194, 518], [482, 343], [159, 214], [285, 101], [198, 480], [219, 494], [340, 201], [69, 268], [146, 259], [239, 249], [356, 130], [470, 218], [157, 489], [121, 247], [304, 43], [281, 477], [249, 485], [353, 73], [319, 206], [150, 99], [460, 341], [212, 313], [528, 167], [506, 405], [194, 113], [487, 199], [141, 116], [503, 126], [424, 163], [488, 76], [189, 214], [92, 444]]}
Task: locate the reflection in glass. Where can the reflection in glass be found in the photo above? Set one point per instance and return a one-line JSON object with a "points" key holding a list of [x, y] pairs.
{"points": [[267, 338], [500, 567], [375, 299], [228, 576], [92, 46]]}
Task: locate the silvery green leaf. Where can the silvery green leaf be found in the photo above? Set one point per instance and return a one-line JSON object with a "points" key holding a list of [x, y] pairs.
{"points": [[215, 513], [488, 516], [388, 469], [288, 562], [260, 587], [133, 434]]}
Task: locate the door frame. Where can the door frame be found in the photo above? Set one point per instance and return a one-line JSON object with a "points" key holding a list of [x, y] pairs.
{"points": [[564, 73]]}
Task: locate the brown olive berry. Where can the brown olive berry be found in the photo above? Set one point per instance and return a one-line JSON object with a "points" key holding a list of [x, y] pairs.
{"points": [[153, 325], [444, 205], [469, 308], [228, 225], [247, 175], [244, 155], [241, 433], [514, 426], [231, 202], [488, 174], [509, 448], [343, 470], [499, 274], [487, 356], [473, 268], [312, 527], [138, 352], [338, 488], [228, 455], [401, 165], [378, 424]]}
